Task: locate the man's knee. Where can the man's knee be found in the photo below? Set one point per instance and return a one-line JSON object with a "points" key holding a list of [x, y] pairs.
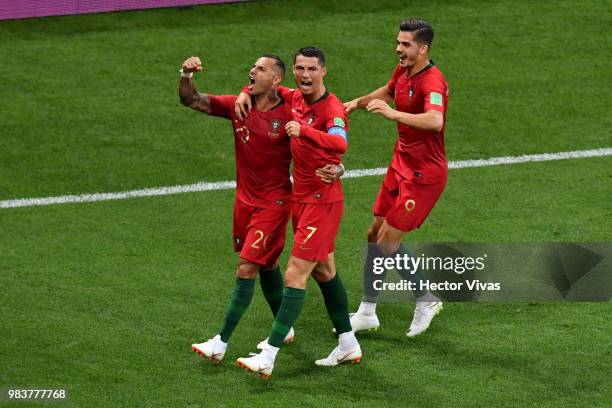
{"points": [[387, 248], [321, 273], [388, 240], [297, 273], [247, 270], [293, 279]]}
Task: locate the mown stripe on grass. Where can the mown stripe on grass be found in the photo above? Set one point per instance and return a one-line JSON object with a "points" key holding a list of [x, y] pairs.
{"points": [[226, 185]]}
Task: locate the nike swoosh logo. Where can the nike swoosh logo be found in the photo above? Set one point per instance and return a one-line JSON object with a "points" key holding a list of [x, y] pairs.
{"points": [[345, 357]]}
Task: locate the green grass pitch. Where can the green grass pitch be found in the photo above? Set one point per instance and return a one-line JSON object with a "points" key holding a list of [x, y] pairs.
{"points": [[106, 298]]}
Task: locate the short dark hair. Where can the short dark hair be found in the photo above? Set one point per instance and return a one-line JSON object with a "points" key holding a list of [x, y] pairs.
{"points": [[423, 32], [311, 51], [278, 63]]}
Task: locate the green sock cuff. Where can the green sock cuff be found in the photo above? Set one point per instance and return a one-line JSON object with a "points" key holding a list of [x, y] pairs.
{"points": [[271, 280], [294, 293], [330, 284]]}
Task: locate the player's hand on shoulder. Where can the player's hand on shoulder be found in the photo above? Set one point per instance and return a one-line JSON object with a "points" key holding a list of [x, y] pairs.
{"points": [[293, 129], [192, 64], [381, 107], [243, 105], [351, 106]]}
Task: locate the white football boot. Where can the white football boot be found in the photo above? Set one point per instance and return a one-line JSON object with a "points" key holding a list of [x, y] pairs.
{"points": [[360, 322], [262, 363], [290, 338], [338, 356], [424, 313], [213, 349]]}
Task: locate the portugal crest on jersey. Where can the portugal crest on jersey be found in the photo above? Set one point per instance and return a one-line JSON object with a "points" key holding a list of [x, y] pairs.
{"points": [[275, 127]]}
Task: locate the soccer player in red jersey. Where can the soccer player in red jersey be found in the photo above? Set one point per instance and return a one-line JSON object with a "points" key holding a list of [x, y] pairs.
{"points": [[262, 207], [318, 134], [418, 171]]}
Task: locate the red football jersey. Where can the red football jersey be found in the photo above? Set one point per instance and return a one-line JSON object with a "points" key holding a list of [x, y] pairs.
{"points": [[263, 153], [420, 153], [315, 148]]}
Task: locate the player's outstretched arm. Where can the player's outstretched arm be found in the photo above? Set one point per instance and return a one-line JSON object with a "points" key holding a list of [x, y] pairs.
{"points": [[187, 92], [381, 93], [432, 120]]}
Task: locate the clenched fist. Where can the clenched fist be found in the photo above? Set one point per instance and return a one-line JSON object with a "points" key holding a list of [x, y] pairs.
{"points": [[293, 129], [192, 64]]}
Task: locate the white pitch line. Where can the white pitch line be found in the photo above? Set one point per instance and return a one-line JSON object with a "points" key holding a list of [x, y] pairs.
{"points": [[227, 185]]}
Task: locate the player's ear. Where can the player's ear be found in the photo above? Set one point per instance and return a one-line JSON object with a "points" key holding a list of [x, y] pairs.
{"points": [[324, 70], [276, 80]]}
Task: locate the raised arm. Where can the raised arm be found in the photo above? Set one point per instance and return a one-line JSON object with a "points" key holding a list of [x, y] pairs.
{"points": [[188, 94], [382, 93]]}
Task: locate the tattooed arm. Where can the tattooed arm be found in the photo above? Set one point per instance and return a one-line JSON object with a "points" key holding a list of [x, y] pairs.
{"points": [[188, 94]]}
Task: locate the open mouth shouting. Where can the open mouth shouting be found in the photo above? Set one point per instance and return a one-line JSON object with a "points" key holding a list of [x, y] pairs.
{"points": [[251, 83], [305, 85]]}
